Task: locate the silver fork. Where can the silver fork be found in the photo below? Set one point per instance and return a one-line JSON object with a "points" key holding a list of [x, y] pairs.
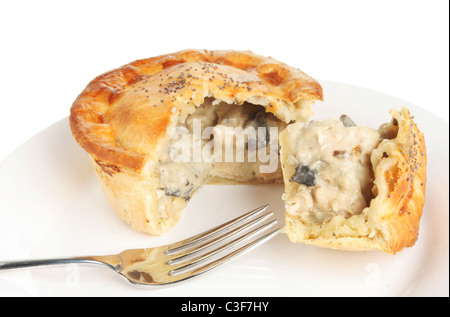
{"points": [[179, 261]]}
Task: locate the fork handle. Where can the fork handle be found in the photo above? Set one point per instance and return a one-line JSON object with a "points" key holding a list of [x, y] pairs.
{"points": [[111, 261]]}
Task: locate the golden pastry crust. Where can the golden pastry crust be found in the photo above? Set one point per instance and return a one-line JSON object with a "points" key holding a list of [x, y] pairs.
{"points": [[400, 183], [123, 118], [391, 221], [109, 115]]}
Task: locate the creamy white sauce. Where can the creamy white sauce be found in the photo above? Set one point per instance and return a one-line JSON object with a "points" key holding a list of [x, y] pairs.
{"points": [[340, 158], [181, 175]]}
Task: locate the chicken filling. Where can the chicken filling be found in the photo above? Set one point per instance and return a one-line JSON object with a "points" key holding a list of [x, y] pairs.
{"points": [[329, 168], [221, 143]]}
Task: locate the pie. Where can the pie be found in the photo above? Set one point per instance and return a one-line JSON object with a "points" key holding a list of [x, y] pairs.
{"points": [[351, 187], [158, 129]]}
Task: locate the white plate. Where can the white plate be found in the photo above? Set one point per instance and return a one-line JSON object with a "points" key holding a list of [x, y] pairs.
{"points": [[52, 206]]}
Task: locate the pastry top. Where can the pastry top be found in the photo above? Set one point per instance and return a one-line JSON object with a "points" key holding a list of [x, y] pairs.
{"points": [[122, 116]]}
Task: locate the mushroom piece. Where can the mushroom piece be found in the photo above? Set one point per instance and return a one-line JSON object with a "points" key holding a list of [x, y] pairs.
{"points": [[304, 175], [257, 120], [347, 121]]}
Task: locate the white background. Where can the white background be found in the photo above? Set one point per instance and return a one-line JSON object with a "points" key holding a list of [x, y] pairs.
{"points": [[50, 50]]}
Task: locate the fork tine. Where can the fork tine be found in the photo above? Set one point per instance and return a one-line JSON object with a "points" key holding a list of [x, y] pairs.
{"points": [[184, 256], [195, 240], [227, 246], [224, 259]]}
